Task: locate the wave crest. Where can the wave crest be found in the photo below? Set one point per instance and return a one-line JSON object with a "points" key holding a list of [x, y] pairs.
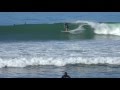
{"points": [[98, 28]]}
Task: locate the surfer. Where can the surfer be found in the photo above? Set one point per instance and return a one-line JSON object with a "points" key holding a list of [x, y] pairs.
{"points": [[5, 66], [66, 26], [65, 75]]}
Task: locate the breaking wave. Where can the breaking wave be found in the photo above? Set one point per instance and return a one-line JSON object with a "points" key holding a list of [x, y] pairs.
{"points": [[77, 29], [23, 62]]}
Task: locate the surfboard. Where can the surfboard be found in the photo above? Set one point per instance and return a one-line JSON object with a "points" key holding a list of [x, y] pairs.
{"points": [[65, 31]]}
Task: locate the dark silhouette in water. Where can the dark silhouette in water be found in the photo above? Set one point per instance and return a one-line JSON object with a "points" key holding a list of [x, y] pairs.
{"points": [[5, 66], [66, 75]]}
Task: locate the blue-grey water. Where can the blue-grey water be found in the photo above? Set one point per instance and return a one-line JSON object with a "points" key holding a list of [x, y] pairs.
{"points": [[33, 46], [7, 18]]}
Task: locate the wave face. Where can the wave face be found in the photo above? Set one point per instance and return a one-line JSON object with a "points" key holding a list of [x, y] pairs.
{"points": [[78, 30], [31, 32]]}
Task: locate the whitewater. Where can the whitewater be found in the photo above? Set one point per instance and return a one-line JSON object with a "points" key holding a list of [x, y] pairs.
{"points": [[58, 53], [97, 27]]}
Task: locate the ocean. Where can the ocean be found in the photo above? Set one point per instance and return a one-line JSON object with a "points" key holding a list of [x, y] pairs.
{"points": [[32, 44]]}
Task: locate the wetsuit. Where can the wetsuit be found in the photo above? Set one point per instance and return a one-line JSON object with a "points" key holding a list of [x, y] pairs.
{"points": [[65, 76], [66, 26]]}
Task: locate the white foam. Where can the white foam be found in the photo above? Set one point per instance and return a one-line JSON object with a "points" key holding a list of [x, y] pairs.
{"points": [[80, 29], [102, 28], [58, 61]]}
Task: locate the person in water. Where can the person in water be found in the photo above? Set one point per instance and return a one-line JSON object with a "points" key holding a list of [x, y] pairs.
{"points": [[66, 75], [66, 26]]}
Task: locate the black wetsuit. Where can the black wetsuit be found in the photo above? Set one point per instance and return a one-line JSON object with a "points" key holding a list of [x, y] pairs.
{"points": [[66, 25], [65, 76]]}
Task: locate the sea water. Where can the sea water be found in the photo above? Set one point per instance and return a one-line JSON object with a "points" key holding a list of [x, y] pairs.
{"points": [[33, 46]]}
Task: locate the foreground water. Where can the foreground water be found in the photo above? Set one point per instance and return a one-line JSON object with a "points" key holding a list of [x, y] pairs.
{"points": [[49, 59]]}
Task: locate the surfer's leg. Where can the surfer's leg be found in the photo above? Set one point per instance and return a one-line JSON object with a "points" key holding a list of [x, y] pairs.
{"points": [[66, 28]]}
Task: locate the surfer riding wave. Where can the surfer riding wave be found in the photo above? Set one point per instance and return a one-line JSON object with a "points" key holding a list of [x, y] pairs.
{"points": [[66, 26]]}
